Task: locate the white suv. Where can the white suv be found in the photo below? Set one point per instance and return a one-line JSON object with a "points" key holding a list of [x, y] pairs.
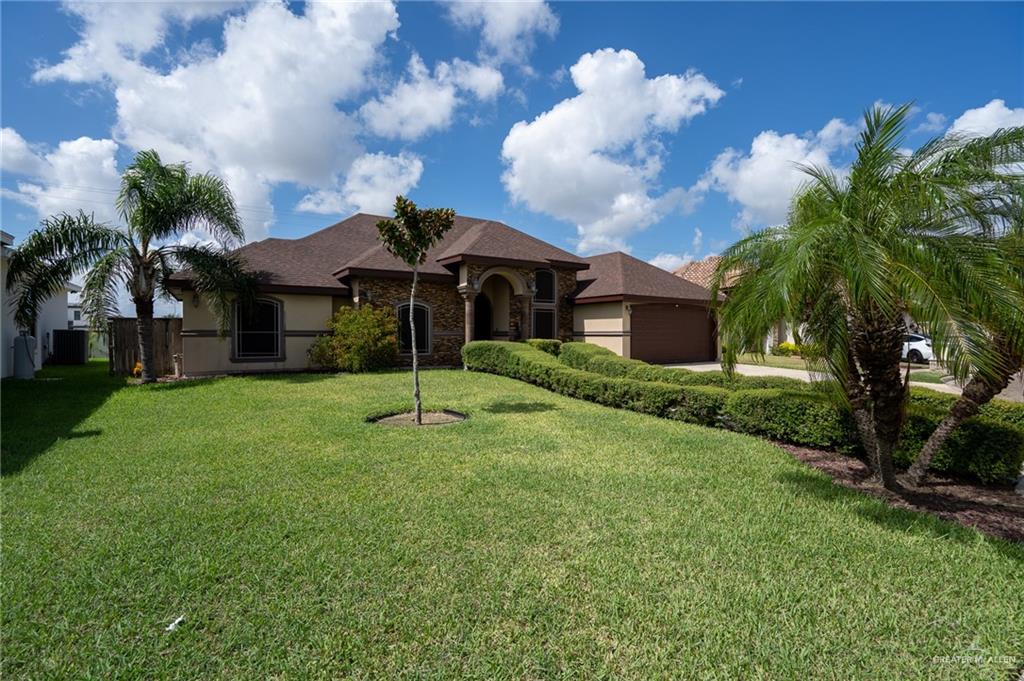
{"points": [[917, 348]]}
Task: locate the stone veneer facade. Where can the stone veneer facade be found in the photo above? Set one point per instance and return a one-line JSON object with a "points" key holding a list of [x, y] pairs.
{"points": [[448, 308]]}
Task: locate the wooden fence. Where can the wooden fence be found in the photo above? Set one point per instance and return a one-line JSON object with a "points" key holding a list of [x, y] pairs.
{"points": [[123, 344]]}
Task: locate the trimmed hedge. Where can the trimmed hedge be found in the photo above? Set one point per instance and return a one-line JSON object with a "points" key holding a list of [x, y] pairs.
{"points": [[697, 404], [548, 345], [590, 357], [797, 417], [989, 447]]}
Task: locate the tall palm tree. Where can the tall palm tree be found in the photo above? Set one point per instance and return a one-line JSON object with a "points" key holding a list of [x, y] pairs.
{"points": [[158, 203], [903, 234]]}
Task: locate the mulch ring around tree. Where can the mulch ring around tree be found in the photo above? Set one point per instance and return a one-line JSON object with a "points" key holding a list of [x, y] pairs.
{"points": [[429, 418], [993, 510]]}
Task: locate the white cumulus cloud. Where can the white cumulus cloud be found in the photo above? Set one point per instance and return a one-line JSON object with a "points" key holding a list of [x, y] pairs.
{"points": [[78, 174], [508, 29], [763, 180], [594, 159], [673, 261], [670, 261], [987, 119], [423, 102], [371, 186], [261, 111], [933, 122]]}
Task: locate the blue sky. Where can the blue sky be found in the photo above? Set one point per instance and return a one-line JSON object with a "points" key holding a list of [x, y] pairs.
{"points": [[665, 129]]}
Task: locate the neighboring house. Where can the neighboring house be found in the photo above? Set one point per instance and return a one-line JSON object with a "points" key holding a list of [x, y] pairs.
{"points": [[701, 273], [643, 312], [484, 280], [52, 316], [76, 320]]}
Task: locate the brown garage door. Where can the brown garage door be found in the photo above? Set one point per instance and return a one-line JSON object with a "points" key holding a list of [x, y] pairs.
{"points": [[664, 334]]}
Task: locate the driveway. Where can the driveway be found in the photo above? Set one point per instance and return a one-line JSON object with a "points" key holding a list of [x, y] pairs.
{"points": [[762, 370]]}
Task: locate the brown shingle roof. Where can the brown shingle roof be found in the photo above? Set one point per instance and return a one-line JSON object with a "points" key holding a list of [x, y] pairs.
{"points": [[702, 271], [352, 246], [617, 275]]}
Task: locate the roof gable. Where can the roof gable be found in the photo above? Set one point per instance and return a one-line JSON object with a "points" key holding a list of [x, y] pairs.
{"points": [[618, 275]]}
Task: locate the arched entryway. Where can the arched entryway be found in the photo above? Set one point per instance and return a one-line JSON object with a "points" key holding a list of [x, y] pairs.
{"points": [[483, 319]]}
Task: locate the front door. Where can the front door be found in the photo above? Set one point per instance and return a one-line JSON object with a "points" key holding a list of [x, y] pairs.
{"points": [[482, 321]]}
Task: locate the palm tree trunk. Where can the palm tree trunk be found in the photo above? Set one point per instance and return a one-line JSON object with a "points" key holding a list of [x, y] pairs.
{"points": [[860, 405], [976, 393], [878, 348], [144, 321], [412, 338]]}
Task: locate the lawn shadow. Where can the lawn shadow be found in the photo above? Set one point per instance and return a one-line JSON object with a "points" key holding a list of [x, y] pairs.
{"points": [[900, 519], [510, 407], [278, 377], [38, 413]]}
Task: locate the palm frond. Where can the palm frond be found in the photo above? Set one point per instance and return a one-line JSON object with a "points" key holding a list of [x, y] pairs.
{"points": [[161, 201], [100, 291], [65, 245], [220, 277]]}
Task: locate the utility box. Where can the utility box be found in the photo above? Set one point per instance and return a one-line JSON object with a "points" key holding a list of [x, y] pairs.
{"points": [[70, 346]]}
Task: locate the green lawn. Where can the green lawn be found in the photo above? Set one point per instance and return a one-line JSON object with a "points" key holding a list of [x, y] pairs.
{"points": [[926, 376], [543, 537], [778, 361]]}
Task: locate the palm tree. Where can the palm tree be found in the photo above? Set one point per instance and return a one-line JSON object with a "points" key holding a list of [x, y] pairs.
{"points": [[903, 234], [158, 203], [1007, 339]]}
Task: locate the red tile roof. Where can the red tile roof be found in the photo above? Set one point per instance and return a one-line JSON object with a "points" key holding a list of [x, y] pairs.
{"points": [[616, 275], [702, 271]]}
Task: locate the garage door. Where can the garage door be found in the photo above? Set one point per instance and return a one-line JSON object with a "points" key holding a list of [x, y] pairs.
{"points": [[665, 334]]}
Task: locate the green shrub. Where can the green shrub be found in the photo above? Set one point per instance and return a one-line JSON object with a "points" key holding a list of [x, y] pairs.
{"points": [[983, 447], [802, 418], [360, 339], [590, 357], [989, 447], [548, 345], [1002, 411], [785, 349], [518, 360]]}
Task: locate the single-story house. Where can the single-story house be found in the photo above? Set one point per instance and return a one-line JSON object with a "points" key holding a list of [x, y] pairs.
{"points": [[484, 280], [53, 316]]}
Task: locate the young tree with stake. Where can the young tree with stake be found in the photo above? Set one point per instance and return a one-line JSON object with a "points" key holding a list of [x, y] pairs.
{"points": [[408, 236]]}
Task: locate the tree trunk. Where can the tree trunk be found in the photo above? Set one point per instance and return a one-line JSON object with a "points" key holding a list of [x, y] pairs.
{"points": [[878, 347], [860, 405], [976, 393], [144, 321], [412, 338]]}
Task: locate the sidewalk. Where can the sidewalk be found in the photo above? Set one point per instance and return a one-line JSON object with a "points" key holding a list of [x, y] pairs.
{"points": [[762, 370]]}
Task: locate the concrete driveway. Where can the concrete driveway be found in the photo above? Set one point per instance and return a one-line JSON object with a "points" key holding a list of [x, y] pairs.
{"points": [[762, 370]]}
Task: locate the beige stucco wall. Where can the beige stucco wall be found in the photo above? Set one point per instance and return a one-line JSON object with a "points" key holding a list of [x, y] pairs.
{"points": [[206, 353], [604, 324]]}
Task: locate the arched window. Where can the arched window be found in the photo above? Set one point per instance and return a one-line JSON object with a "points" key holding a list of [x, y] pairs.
{"points": [[545, 324], [257, 331], [423, 329]]}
